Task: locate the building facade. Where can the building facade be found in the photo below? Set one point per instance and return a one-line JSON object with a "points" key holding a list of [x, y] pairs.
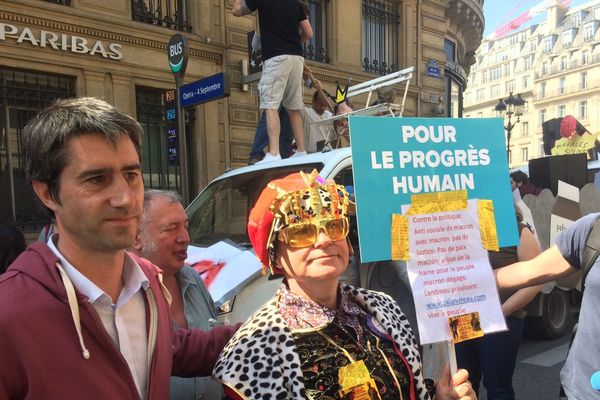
{"points": [[117, 50], [554, 66]]}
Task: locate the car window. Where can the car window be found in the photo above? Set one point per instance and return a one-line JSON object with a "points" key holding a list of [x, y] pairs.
{"points": [[221, 211]]}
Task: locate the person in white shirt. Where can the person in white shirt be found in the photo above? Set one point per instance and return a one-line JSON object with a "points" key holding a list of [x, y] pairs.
{"points": [[315, 133]]}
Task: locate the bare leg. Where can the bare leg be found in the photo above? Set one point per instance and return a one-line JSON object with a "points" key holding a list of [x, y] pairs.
{"points": [[298, 128], [273, 130]]}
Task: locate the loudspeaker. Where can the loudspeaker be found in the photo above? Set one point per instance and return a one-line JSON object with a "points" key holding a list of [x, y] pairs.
{"points": [[545, 172]]}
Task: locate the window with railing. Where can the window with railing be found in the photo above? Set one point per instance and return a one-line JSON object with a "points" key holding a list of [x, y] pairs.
{"points": [[495, 91], [583, 80], [585, 57], [567, 37], [583, 114], [170, 14], [316, 48], [509, 86], [561, 86], [380, 32], [63, 2], [495, 73], [588, 31], [549, 43], [160, 171], [542, 90], [542, 116], [524, 154], [480, 94]]}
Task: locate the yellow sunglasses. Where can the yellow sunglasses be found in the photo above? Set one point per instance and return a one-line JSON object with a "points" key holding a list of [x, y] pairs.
{"points": [[305, 234]]}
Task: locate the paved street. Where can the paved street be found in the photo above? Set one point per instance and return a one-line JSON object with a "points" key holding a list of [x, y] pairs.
{"points": [[537, 373]]}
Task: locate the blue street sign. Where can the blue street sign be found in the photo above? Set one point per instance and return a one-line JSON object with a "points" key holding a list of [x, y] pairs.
{"points": [[433, 69], [211, 88]]}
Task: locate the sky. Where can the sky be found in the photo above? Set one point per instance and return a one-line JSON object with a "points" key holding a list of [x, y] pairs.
{"points": [[500, 12]]}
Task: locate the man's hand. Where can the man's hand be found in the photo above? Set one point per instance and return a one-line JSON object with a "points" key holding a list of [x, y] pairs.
{"points": [[459, 388], [240, 8]]}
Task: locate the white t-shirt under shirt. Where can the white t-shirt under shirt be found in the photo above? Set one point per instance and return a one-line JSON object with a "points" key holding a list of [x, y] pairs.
{"points": [[314, 133]]}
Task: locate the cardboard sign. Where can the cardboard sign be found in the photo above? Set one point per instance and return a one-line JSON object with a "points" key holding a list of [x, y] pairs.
{"points": [[394, 158], [574, 145]]}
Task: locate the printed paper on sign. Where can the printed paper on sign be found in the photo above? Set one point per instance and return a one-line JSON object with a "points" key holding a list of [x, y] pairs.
{"points": [[450, 273]]}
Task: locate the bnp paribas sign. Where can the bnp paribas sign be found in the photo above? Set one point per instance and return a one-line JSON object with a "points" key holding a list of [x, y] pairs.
{"points": [[60, 41]]}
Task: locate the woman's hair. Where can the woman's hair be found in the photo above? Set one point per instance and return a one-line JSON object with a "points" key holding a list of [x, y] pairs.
{"points": [[12, 243]]}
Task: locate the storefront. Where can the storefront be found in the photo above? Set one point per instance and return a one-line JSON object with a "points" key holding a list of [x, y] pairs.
{"points": [[47, 54]]}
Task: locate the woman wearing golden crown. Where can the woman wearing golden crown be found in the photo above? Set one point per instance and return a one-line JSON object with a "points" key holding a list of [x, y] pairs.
{"points": [[319, 338]]}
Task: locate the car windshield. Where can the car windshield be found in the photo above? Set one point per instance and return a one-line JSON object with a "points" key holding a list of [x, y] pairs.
{"points": [[221, 210]]}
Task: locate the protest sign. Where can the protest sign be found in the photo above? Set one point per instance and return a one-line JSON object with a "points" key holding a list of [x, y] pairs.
{"points": [[394, 158], [450, 273]]}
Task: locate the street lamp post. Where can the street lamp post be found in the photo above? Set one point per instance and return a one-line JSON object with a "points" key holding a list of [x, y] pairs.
{"points": [[513, 106]]}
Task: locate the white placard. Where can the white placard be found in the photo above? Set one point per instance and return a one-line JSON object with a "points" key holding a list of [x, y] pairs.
{"points": [[450, 273], [225, 269]]}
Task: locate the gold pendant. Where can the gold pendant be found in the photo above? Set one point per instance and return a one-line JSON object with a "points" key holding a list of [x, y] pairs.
{"points": [[356, 382]]}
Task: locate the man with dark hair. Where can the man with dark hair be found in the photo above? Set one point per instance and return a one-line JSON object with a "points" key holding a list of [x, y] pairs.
{"points": [[79, 316], [283, 28], [163, 240], [520, 180]]}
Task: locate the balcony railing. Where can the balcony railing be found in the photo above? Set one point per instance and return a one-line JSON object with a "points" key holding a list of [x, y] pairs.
{"points": [[380, 27], [565, 91], [63, 2], [171, 14], [573, 64]]}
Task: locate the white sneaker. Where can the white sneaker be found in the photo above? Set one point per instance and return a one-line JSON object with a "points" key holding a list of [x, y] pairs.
{"points": [[298, 154], [268, 158]]}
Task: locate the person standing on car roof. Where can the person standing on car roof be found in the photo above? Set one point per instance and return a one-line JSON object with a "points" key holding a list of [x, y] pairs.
{"points": [[283, 28]]}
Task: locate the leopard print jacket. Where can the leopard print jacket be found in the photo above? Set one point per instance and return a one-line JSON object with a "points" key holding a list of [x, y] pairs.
{"points": [[260, 361]]}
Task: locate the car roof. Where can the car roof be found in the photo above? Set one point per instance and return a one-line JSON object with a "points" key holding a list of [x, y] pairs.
{"points": [[329, 159]]}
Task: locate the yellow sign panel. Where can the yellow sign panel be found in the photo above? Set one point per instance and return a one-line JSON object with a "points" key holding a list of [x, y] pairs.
{"points": [[574, 145]]}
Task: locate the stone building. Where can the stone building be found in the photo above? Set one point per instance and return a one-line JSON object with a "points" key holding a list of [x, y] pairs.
{"points": [[117, 50], [553, 65]]}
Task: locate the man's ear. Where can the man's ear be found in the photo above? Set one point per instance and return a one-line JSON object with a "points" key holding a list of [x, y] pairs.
{"points": [[43, 193], [137, 244]]}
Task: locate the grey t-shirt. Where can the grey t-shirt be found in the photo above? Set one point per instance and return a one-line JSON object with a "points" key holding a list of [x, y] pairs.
{"points": [[584, 357]]}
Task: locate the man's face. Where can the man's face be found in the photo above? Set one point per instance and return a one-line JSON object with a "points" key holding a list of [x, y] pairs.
{"points": [[101, 193], [514, 185], [319, 105], [164, 236]]}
